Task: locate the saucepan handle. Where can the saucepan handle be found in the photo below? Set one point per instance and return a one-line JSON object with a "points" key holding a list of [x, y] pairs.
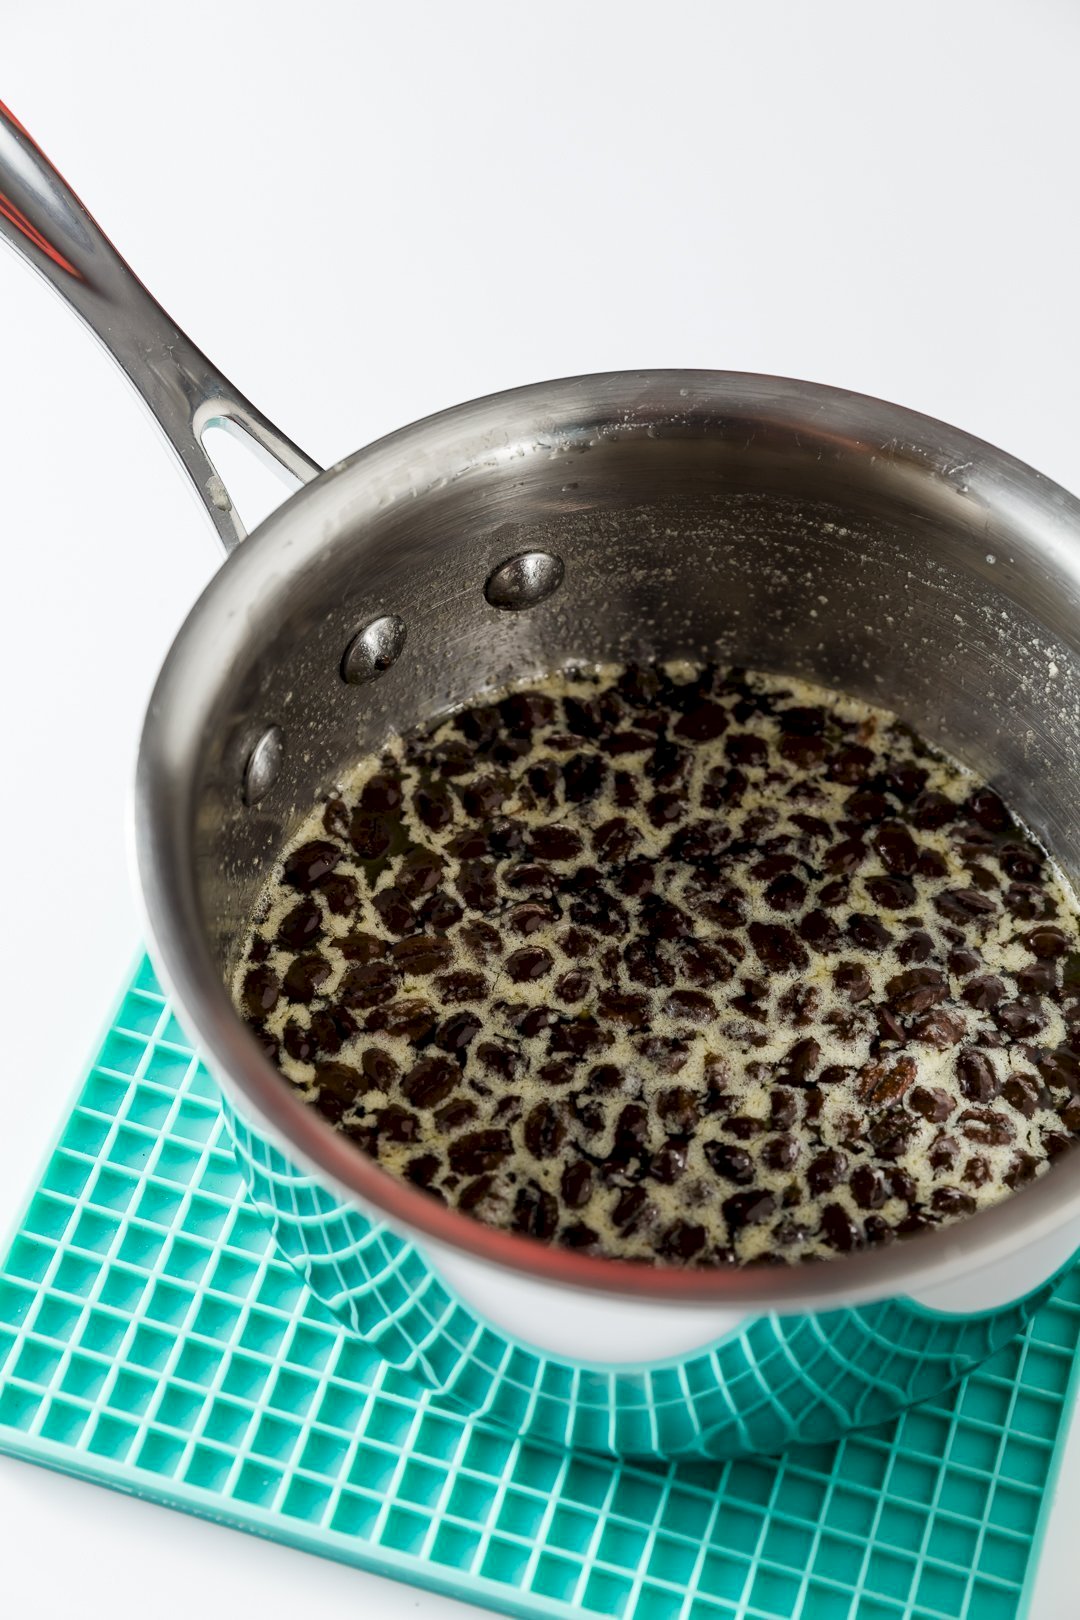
{"points": [[47, 224]]}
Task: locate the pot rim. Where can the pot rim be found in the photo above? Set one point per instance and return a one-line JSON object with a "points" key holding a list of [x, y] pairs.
{"points": [[404, 463]]}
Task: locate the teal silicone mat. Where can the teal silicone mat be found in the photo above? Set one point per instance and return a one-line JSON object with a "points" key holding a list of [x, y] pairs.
{"points": [[149, 1340]]}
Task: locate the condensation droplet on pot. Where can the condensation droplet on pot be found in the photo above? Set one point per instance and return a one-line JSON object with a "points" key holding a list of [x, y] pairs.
{"points": [[523, 581], [373, 650], [263, 764]]}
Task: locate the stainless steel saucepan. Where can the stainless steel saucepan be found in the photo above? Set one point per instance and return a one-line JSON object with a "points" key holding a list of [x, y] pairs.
{"points": [[774, 523]]}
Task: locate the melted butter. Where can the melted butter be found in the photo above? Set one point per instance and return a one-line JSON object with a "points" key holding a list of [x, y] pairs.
{"points": [[743, 1053]]}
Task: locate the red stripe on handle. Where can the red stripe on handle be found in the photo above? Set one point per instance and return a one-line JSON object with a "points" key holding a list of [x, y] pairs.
{"points": [[19, 219]]}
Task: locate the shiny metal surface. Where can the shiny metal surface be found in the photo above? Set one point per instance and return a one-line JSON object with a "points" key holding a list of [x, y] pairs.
{"points": [[525, 581], [797, 528], [374, 650], [755, 519], [263, 765], [42, 218]]}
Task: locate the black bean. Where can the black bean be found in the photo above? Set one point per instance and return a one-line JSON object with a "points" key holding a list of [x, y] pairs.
{"points": [[395, 912], [361, 947], [867, 932], [938, 1028], [1060, 1067], [964, 906], [781, 1152], [748, 1208], [818, 930], [1025, 1094], [853, 979], [668, 1165], [846, 857], [951, 1201], [410, 1018], [986, 1125], [461, 987], [1046, 942], [850, 765], [786, 892], [573, 986], [742, 748], [868, 1187], [478, 1151], [330, 1028], [576, 1184], [988, 810], [368, 985], [682, 1240], [397, 1124], [583, 777], [668, 1053], [840, 1230], [978, 1080], [733, 1163], [916, 990], [801, 1061], [379, 1069], [890, 1133], [1023, 1167], [891, 893], [536, 1212], [630, 1208], [1021, 1018], [896, 849], [932, 810], [977, 1171], [784, 1109], [932, 1103], [307, 865], [260, 992], [944, 1153], [301, 926], [555, 843], [529, 963], [419, 873], [777, 947], [828, 1170], [429, 1082], [1038, 979], [545, 1130], [984, 992], [457, 1032], [305, 976], [421, 954], [299, 1043], [340, 1081]]}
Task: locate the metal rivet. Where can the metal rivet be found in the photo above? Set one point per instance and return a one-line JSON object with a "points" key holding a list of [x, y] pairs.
{"points": [[371, 652], [263, 764], [522, 582]]}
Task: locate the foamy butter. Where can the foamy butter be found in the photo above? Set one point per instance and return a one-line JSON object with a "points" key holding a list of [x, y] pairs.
{"points": [[725, 1105]]}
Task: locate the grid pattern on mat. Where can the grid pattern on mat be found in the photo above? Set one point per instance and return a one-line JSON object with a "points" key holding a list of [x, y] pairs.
{"points": [[149, 1338]]}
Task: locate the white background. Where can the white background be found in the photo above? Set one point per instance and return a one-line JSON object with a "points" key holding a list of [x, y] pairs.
{"points": [[364, 213]]}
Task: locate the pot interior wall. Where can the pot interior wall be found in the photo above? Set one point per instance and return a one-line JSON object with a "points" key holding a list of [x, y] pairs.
{"points": [[823, 557]]}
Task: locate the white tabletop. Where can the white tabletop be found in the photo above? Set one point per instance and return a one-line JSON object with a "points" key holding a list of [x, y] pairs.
{"points": [[363, 213]]}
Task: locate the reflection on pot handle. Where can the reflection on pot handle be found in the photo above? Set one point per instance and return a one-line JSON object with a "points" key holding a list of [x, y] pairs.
{"points": [[41, 217]]}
